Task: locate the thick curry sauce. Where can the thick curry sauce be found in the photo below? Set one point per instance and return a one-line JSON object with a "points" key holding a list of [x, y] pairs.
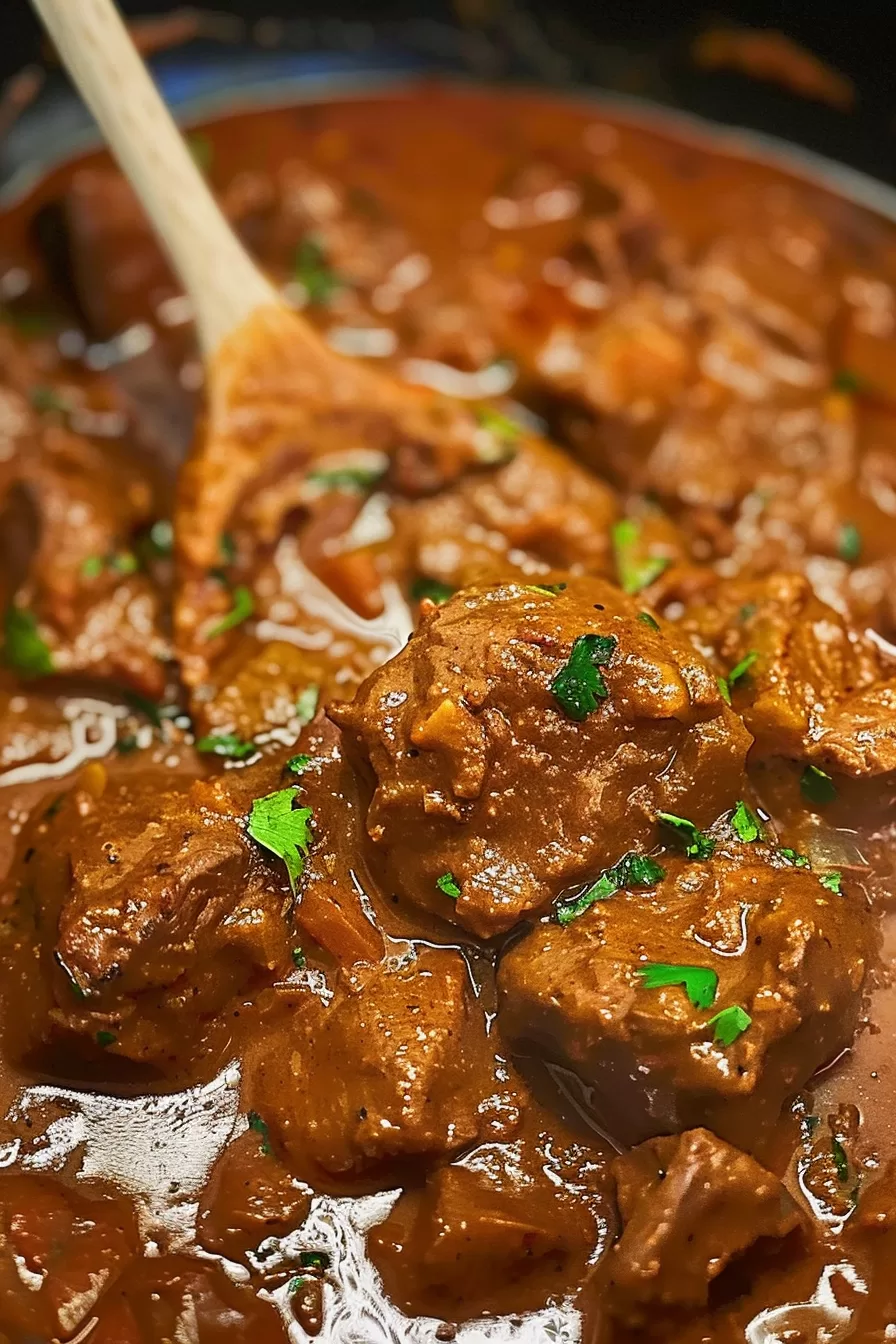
{"points": [[452, 899]]}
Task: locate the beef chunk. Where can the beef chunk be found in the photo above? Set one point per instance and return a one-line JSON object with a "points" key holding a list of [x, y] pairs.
{"points": [[148, 899], [483, 775], [173, 1297], [690, 1206], [810, 677], [488, 1235], [250, 1196], [786, 950], [59, 1251], [257, 689], [397, 1067], [538, 510]]}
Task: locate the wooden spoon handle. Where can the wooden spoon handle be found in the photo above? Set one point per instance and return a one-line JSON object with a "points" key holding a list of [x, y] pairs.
{"points": [[220, 277]]}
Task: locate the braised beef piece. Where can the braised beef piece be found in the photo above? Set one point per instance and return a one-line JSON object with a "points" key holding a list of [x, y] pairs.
{"points": [[494, 791], [738, 931], [150, 900], [250, 1196], [690, 1207], [808, 671], [59, 1251], [395, 1069], [490, 1235]]}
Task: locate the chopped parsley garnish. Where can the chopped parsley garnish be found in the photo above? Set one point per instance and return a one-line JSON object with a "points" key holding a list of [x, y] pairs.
{"points": [[46, 399], [106, 1038], [298, 958], [23, 648], [260, 1127], [579, 685], [646, 619], [296, 765], [849, 543], [549, 589], [448, 884], [358, 479], [816, 786], [306, 704], [505, 432], [77, 989], [700, 982], [841, 1161], [229, 745], [695, 843], [312, 269], [319, 1260], [161, 537], [120, 562], [242, 609], [747, 612], [745, 823], [833, 881], [227, 548], [632, 870], [433, 589], [636, 571], [296, 1285], [283, 829], [729, 1024], [792, 857], [845, 380], [93, 567], [737, 673]]}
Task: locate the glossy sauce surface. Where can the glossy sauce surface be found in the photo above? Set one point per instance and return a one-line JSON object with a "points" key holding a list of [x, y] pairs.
{"points": [[397, 1068]]}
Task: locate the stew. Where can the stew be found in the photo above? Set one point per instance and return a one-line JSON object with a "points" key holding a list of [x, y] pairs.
{"points": [[449, 888]]}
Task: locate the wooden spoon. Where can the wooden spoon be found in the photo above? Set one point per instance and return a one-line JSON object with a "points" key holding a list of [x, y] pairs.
{"points": [[276, 395]]}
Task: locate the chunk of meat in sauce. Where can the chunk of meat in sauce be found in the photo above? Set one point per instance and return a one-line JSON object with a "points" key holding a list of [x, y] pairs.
{"points": [[250, 1196], [691, 1206], [809, 669], [60, 1250], [488, 1236], [402, 1073], [149, 901], [176, 1297], [774, 942], [482, 776]]}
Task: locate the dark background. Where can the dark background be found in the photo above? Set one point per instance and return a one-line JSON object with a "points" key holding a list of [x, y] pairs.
{"points": [[640, 48]]}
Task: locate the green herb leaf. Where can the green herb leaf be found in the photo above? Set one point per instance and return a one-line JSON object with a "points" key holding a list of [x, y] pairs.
{"points": [[579, 685], [314, 1260], [845, 380], [436, 592], [505, 434], [746, 824], [229, 745], [448, 884], [295, 1285], [849, 543], [791, 856], [306, 704], [816, 786], [46, 399], [227, 548], [550, 589], [123, 562], [242, 609], [635, 570], [646, 619], [312, 269], [737, 674], [298, 958], [729, 1024], [747, 612], [722, 683], [92, 567], [106, 1038], [841, 1161], [260, 1127], [833, 881], [357, 479], [23, 648], [700, 983], [696, 844], [283, 829], [298, 764], [632, 870]]}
